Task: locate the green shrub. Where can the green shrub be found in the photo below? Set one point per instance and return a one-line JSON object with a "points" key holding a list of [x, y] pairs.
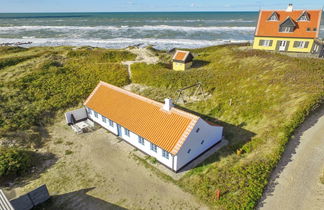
{"points": [[68, 152], [14, 162]]}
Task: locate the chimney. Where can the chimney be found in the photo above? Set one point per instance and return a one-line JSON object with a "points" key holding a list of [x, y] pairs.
{"points": [[289, 8], [167, 104]]}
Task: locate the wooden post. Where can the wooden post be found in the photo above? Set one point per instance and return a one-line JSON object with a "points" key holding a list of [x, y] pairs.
{"points": [[230, 102], [218, 194]]}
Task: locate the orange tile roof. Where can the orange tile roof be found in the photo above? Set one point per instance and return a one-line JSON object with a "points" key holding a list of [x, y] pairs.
{"points": [[143, 116], [181, 55], [271, 28]]}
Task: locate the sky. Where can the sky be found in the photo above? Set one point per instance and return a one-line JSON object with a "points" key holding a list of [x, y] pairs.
{"points": [[150, 5]]}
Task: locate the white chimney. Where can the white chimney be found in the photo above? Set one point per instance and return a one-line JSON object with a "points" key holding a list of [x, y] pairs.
{"points": [[167, 104], [289, 8]]}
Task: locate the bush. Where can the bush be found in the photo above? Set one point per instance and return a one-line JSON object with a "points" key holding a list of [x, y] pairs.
{"points": [[14, 162]]}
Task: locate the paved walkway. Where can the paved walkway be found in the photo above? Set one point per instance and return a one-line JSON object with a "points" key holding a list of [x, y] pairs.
{"points": [[295, 183]]}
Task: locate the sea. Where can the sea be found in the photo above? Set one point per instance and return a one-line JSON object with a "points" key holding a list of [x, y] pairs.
{"points": [[162, 30]]}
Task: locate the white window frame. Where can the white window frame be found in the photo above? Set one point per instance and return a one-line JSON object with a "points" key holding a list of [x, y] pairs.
{"points": [[301, 44], [126, 132], [153, 147], [266, 42], [165, 154], [95, 114], [111, 123], [141, 140], [286, 30], [104, 119]]}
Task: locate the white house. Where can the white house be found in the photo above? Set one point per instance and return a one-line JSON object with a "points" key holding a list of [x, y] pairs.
{"points": [[174, 137]]}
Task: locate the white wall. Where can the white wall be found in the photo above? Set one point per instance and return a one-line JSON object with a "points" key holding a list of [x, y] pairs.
{"points": [[133, 140], [210, 134]]}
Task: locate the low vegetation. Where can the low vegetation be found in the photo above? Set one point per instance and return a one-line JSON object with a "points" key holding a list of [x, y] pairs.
{"points": [[322, 178], [37, 83], [259, 97], [62, 79], [14, 162]]}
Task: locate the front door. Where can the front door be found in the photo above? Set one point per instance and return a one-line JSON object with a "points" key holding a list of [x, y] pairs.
{"points": [[119, 132], [282, 45]]}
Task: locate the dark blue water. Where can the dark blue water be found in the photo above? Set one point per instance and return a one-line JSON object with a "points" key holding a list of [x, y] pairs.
{"points": [[164, 30]]}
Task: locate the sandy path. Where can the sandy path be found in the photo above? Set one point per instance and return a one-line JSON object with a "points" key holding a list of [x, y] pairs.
{"points": [[295, 183]]}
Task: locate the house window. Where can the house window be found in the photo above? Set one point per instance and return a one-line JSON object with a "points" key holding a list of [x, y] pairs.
{"points": [[104, 119], [141, 140], [265, 43], [273, 17], [308, 29], [165, 154], [202, 142], [96, 114], [285, 29], [153, 147], [197, 130], [314, 29], [111, 123], [300, 44], [126, 132], [189, 150]]}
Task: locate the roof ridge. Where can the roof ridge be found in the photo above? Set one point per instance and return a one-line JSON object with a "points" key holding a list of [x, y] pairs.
{"points": [[145, 99]]}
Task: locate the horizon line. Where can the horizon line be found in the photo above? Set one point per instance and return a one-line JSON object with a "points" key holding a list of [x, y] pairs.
{"points": [[133, 11]]}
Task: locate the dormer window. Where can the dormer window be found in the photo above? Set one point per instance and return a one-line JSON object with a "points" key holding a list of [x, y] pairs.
{"points": [[304, 17], [287, 26], [273, 17]]}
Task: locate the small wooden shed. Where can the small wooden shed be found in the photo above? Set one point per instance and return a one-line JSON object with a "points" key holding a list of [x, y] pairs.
{"points": [[182, 60]]}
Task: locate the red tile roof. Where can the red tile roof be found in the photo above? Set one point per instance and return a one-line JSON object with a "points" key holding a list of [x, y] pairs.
{"points": [[271, 28], [143, 116]]}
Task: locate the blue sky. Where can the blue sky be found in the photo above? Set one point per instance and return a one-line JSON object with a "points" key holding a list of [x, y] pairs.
{"points": [[149, 5]]}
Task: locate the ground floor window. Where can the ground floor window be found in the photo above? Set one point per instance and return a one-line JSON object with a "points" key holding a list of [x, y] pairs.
{"points": [[126, 132], [104, 119], [111, 123], [141, 140], [153, 147], [300, 44], [265, 43], [165, 154]]}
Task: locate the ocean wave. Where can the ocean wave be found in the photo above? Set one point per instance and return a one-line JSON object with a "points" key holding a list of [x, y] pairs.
{"points": [[123, 28], [122, 42]]}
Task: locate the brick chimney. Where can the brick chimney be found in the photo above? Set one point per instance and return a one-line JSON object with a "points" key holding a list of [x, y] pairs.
{"points": [[167, 104]]}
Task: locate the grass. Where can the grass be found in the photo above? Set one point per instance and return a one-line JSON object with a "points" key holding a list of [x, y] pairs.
{"points": [[259, 97], [61, 78], [322, 178], [68, 152]]}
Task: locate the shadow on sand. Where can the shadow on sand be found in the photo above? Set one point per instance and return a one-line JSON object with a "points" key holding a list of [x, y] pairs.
{"points": [[77, 200]]}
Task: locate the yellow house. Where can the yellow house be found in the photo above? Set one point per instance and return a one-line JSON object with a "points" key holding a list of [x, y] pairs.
{"points": [[287, 30], [182, 60]]}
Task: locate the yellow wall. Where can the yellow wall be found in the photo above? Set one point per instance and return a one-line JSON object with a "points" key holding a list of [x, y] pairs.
{"points": [[179, 66], [275, 42]]}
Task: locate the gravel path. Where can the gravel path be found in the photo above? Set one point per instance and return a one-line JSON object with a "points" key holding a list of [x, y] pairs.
{"points": [[295, 183]]}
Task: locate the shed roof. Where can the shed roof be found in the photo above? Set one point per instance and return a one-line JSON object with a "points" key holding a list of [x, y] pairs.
{"points": [[143, 116], [266, 27], [181, 55]]}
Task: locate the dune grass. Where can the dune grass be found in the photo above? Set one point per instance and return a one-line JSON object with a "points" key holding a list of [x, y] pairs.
{"points": [[259, 97], [32, 94]]}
